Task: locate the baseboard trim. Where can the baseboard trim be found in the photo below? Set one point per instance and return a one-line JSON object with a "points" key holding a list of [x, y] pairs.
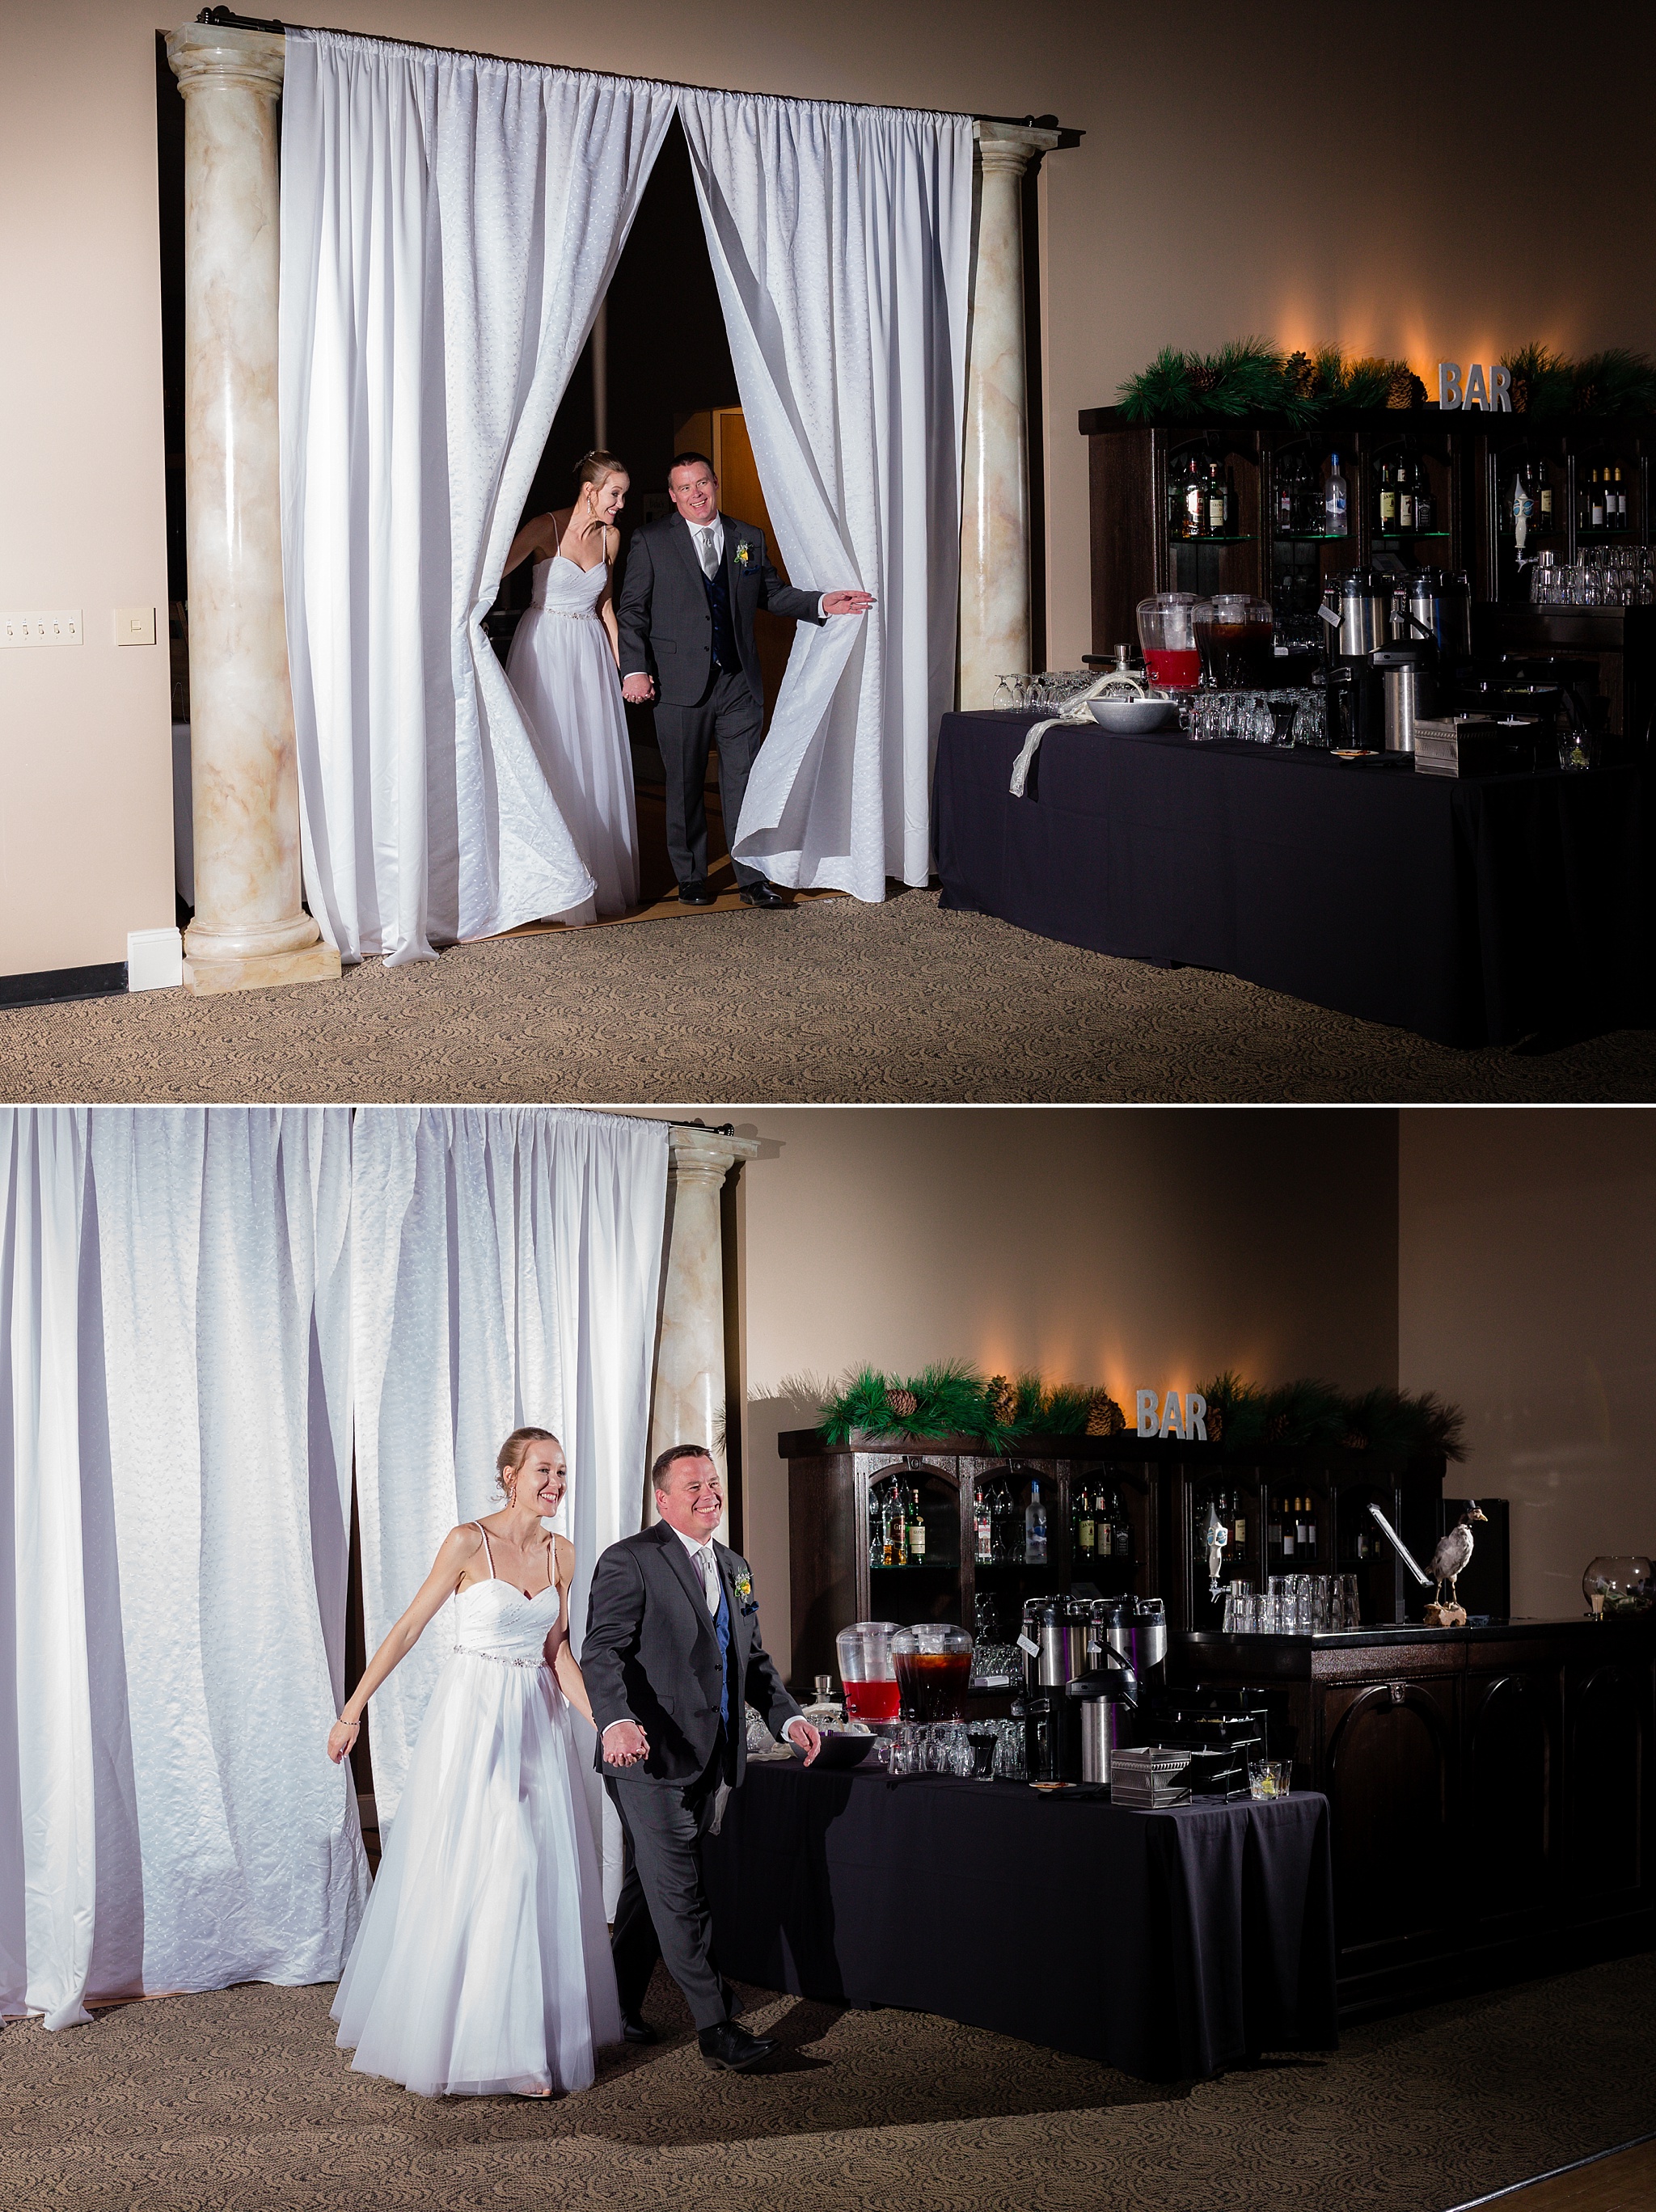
{"points": [[52, 987], [1517, 2188]]}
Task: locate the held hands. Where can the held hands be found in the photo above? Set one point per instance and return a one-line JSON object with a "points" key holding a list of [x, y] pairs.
{"points": [[341, 1738], [638, 690], [625, 1742], [800, 1733], [846, 602]]}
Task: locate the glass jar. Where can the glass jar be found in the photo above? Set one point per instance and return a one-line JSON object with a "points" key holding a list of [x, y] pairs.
{"points": [[1617, 1587], [1235, 642], [933, 1661]]}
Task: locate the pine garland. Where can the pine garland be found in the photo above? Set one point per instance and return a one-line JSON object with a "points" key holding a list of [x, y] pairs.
{"points": [[953, 1400], [1251, 376]]}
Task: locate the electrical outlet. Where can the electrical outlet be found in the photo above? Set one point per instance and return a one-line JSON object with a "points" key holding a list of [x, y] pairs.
{"points": [[61, 628]]}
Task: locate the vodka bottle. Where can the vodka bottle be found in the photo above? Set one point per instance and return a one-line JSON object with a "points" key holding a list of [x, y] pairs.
{"points": [[1035, 1528], [1334, 500]]}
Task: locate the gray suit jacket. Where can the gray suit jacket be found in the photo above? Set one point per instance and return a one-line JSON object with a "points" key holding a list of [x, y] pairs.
{"points": [[662, 615], [651, 1654]]}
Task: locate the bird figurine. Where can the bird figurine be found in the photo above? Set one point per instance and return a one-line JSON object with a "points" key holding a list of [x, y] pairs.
{"points": [[1449, 1563]]}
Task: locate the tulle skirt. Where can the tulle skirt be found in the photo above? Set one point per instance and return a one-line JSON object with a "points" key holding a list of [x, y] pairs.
{"points": [[483, 1962]]}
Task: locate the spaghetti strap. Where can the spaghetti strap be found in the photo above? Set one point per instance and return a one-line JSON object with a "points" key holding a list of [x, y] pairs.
{"points": [[487, 1553]]}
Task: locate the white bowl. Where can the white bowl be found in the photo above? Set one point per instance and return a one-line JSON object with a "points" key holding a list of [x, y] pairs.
{"points": [[1132, 718]]}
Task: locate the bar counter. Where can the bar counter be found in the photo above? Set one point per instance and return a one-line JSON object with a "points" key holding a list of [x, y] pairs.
{"points": [[1492, 1794]]}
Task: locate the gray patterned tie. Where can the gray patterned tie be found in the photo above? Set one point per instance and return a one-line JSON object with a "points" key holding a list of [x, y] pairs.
{"points": [[709, 558], [705, 1561]]}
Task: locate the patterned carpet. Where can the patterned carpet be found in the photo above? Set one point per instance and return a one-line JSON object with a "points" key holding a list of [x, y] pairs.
{"points": [[240, 2099], [832, 1000]]}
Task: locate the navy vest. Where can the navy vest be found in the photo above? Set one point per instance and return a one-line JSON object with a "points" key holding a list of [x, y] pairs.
{"points": [[721, 1629], [717, 588]]}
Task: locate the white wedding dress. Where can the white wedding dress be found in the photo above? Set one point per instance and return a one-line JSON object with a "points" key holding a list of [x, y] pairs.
{"points": [[564, 673], [483, 1962]]}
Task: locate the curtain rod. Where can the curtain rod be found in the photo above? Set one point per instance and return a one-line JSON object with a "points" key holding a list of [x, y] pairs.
{"points": [[227, 19]]}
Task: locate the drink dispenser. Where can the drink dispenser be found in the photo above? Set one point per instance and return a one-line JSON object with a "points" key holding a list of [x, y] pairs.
{"points": [[1058, 1643], [1167, 629], [868, 1672], [933, 1661], [1103, 1700]]}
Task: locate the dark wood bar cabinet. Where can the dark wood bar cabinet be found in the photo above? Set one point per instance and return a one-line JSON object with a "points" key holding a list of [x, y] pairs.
{"points": [[1466, 461], [1490, 1791]]}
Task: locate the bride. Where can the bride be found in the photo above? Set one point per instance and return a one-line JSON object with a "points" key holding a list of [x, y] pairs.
{"points": [[563, 673], [483, 1961]]}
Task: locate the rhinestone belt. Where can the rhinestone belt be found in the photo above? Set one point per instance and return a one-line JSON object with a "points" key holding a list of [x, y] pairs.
{"points": [[568, 614], [495, 1658]]}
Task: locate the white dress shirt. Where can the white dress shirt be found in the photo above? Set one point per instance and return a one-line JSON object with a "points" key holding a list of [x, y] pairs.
{"points": [[696, 1550]]}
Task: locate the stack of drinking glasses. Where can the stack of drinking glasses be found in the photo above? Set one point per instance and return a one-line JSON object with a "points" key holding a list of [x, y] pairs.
{"points": [[1600, 576], [935, 1748], [1297, 717], [1049, 692], [1293, 1605]]}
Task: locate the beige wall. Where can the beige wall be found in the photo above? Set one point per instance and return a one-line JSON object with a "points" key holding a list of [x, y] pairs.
{"points": [[1286, 171], [1123, 1247], [1527, 1293]]}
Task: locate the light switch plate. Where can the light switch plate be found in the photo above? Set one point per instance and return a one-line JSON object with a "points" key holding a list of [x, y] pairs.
{"points": [[134, 625], [61, 627]]}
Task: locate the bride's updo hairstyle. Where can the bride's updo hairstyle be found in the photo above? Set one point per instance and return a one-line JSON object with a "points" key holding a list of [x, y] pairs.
{"points": [[592, 468], [509, 1458]]}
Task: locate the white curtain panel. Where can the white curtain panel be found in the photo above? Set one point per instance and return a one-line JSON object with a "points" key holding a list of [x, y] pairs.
{"points": [[177, 1285], [841, 241], [48, 1853], [449, 224], [507, 1269]]}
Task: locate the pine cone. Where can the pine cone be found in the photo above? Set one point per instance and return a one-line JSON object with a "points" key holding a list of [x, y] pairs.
{"points": [[1203, 374], [903, 1403], [1520, 395], [1104, 1416], [1297, 374], [1215, 1424], [1000, 1400]]}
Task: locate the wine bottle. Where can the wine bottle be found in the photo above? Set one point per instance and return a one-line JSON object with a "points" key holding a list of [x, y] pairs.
{"points": [[1215, 501], [1121, 1530], [1596, 502], [1087, 1527], [1195, 499], [916, 1531], [1290, 1530], [1618, 492], [1387, 523], [1543, 500], [1405, 496], [1239, 1521]]}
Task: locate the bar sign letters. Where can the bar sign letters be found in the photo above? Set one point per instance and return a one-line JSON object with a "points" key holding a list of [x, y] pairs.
{"points": [[1185, 1418], [1494, 396]]}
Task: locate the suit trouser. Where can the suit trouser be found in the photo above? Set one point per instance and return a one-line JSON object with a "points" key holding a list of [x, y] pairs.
{"points": [[662, 1910], [727, 715]]}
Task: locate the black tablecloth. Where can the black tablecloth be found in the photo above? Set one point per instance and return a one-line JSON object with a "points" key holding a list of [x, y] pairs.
{"points": [[1475, 911], [1170, 1944]]}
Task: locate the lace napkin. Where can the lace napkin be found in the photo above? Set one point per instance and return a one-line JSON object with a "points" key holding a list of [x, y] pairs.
{"points": [[1076, 712]]}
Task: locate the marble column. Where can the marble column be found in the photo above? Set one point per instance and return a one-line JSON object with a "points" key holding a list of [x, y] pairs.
{"points": [[250, 929], [689, 1401], [995, 532]]}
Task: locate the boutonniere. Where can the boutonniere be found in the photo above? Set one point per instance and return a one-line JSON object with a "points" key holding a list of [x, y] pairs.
{"points": [[744, 555], [743, 1586]]}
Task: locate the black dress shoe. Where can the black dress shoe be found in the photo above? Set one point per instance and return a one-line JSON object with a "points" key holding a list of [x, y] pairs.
{"points": [[635, 2028], [694, 893], [733, 2049], [762, 894]]}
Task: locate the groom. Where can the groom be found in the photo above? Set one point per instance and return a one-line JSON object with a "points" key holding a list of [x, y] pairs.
{"points": [[672, 1658], [694, 581]]}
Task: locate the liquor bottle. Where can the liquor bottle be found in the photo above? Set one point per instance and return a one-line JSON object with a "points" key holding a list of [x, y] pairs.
{"points": [[1286, 498], [1618, 493], [916, 1531], [891, 1525], [1334, 500], [1009, 1527], [1121, 1530], [1407, 473], [1426, 506], [982, 1526], [1195, 499], [1239, 1521], [1386, 520], [1087, 1527], [1035, 1528], [1290, 1532], [1310, 1544], [1215, 501], [1544, 501], [1274, 1527], [1595, 503]]}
